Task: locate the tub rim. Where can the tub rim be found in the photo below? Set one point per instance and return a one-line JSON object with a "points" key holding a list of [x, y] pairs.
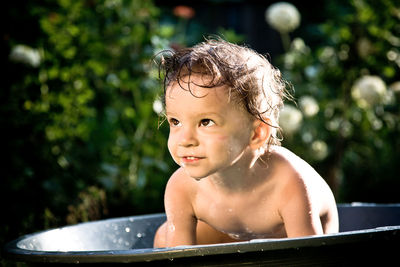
{"points": [[13, 252]]}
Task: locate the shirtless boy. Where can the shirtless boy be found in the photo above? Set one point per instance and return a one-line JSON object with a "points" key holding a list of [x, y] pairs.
{"points": [[235, 181]]}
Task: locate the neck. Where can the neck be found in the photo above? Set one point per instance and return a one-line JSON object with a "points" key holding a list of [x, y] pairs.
{"points": [[240, 176]]}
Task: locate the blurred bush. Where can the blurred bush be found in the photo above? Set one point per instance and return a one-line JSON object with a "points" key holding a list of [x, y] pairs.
{"points": [[347, 87], [79, 108], [81, 137], [80, 112]]}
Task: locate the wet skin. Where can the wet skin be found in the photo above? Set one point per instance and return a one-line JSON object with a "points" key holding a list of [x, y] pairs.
{"points": [[224, 190]]}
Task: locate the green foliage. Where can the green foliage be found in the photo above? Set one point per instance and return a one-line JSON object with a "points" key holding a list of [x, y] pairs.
{"points": [[230, 35], [99, 93], [82, 128], [81, 137], [80, 114], [353, 138]]}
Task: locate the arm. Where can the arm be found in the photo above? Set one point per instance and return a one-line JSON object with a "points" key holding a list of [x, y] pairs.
{"points": [[299, 213], [181, 221]]}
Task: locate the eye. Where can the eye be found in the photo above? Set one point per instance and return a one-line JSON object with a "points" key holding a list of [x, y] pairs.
{"points": [[207, 122], [174, 122]]}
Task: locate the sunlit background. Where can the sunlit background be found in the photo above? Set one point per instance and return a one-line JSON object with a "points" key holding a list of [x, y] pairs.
{"points": [[80, 106]]}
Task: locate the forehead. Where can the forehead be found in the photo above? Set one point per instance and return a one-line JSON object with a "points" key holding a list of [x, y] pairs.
{"points": [[194, 88], [200, 101], [190, 101]]}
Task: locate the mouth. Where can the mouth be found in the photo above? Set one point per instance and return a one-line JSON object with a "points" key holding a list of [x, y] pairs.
{"points": [[191, 159]]}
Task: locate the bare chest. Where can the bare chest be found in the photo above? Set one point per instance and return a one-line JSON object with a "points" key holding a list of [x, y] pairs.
{"points": [[246, 217]]}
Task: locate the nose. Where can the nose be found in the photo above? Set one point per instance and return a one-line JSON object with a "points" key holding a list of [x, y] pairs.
{"points": [[188, 137]]}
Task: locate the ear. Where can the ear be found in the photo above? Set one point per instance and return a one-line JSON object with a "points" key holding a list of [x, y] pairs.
{"points": [[260, 135]]}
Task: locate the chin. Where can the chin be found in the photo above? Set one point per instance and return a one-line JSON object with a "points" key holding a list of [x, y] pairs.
{"points": [[196, 176], [199, 173]]}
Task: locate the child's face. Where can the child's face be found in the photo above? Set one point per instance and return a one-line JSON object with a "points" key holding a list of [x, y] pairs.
{"points": [[208, 133]]}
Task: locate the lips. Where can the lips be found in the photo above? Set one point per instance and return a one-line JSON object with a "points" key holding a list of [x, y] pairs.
{"points": [[190, 159]]}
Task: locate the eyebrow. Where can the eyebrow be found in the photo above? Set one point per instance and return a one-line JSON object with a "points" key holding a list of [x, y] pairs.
{"points": [[202, 114]]}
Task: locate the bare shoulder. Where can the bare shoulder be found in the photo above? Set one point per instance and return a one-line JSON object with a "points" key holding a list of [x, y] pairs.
{"points": [[297, 177], [180, 184], [305, 199], [178, 202], [292, 166], [180, 193]]}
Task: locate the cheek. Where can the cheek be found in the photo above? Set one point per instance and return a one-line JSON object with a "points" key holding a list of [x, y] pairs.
{"points": [[171, 144], [228, 145], [172, 150], [236, 144], [233, 139], [222, 138], [225, 144]]}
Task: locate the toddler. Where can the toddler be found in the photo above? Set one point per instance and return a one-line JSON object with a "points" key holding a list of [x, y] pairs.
{"points": [[235, 181]]}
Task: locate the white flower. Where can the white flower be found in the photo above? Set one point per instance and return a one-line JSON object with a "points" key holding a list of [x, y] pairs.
{"points": [[368, 91], [307, 137], [327, 54], [319, 150], [283, 17], [394, 92], [343, 126], [364, 47], [395, 87], [309, 106], [158, 106], [290, 119], [390, 97], [26, 55], [298, 45], [112, 4], [392, 55], [289, 60], [333, 124]]}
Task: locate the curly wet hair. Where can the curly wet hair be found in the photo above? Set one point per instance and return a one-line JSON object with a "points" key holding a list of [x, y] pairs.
{"points": [[249, 76]]}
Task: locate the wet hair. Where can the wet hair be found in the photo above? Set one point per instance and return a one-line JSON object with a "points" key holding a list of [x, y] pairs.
{"points": [[250, 78]]}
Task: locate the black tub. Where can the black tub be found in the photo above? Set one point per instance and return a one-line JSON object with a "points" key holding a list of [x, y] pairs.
{"points": [[368, 233]]}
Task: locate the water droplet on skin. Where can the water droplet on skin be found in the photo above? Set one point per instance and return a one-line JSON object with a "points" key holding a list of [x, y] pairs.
{"points": [[230, 210], [234, 236]]}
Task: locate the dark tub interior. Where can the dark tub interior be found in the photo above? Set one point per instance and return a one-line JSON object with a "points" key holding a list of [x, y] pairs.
{"points": [[130, 239]]}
